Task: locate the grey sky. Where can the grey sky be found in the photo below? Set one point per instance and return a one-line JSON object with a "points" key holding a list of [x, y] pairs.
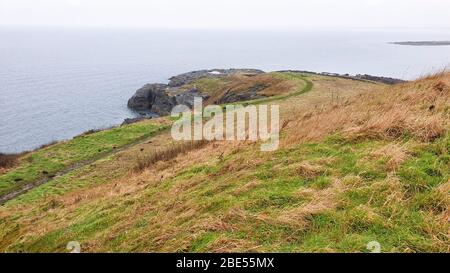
{"points": [[227, 13]]}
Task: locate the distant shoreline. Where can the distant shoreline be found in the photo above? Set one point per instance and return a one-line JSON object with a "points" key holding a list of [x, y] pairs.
{"points": [[423, 43]]}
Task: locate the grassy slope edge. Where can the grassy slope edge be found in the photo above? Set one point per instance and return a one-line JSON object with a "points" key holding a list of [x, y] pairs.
{"points": [[358, 162]]}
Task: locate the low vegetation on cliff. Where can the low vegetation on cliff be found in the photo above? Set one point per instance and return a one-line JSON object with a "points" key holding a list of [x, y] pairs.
{"points": [[358, 161]]}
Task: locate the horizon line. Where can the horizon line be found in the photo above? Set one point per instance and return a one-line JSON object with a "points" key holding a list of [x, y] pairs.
{"points": [[262, 28]]}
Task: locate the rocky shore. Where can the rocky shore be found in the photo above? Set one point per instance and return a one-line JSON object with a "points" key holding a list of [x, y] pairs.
{"points": [[357, 77], [423, 43]]}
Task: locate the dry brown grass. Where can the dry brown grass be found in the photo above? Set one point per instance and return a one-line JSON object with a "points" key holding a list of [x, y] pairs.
{"points": [[278, 89], [419, 109], [152, 175], [156, 217], [270, 85], [444, 190], [168, 153], [395, 154], [308, 170], [247, 187], [227, 245], [390, 189], [320, 201]]}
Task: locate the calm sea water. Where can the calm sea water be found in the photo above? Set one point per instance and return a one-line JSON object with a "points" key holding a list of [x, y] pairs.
{"points": [[57, 83]]}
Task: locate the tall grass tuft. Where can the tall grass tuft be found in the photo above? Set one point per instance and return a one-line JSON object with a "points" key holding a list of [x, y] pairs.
{"points": [[145, 162]]}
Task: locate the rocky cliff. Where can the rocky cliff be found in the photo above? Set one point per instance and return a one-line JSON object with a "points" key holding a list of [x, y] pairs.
{"points": [[159, 99]]}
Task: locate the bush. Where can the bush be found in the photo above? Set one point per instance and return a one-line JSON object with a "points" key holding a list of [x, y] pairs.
{"points": [[8, 160]]}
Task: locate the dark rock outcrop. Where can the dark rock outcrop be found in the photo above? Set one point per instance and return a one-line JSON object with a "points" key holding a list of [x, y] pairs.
{"points": [[159, 99], [187, 97], [152, 98], [385, 80]]}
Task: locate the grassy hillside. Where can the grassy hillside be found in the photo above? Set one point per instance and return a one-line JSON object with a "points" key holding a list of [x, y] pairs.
{"points": [[45, 163], [358, 162]]}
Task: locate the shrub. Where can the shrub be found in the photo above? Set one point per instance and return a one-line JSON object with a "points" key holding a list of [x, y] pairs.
{"points": [[8, 160]]}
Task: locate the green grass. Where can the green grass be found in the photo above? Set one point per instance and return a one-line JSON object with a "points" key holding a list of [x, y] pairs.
{"points": [[427, 168], [208, 85], [57, 157], [361, 213], [201, 243], [89, 175], [303, 86]]}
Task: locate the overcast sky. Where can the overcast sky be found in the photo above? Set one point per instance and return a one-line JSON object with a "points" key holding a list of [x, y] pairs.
{"points": [[242, 14]]}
